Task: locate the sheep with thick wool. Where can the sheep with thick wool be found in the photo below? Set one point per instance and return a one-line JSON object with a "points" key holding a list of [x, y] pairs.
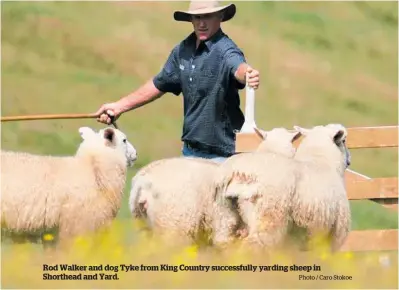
{"points": [[175, 197], [320, 204], [262, 184], [75, 194]]}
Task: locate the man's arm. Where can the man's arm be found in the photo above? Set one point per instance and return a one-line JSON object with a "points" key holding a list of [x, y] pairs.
{"points": [[237, 66], [241, 72], [239, 69]]}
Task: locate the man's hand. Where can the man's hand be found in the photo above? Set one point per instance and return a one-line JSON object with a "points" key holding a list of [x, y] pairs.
{"points": [[252, 77], [107, 110]]}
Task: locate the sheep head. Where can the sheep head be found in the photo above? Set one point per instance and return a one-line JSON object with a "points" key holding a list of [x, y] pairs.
{"points": [[338, 134], [329, 141], [278, 140], [117, 139], [112, 138]]}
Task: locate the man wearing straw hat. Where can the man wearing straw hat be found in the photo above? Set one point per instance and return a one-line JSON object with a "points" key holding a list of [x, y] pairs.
{"points": [[209, 69]]}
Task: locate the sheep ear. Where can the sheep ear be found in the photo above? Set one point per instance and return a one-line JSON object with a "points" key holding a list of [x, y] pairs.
{"points": [[297, 135], [86, 132], [339, 136], [301, 130], [109, 134], [262, 134]]}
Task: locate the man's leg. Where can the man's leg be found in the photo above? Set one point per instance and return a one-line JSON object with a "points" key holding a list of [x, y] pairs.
{"points": [[218, 159], [187, 152]]}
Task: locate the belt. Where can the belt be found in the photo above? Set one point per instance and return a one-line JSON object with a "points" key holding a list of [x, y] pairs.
{"points": [[205, 149]]}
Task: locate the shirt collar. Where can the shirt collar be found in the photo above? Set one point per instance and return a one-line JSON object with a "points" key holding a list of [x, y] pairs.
{"points": [[209, 42]]}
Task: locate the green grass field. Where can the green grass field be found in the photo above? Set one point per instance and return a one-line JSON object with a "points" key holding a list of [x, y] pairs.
{"points": [[320, 62]]}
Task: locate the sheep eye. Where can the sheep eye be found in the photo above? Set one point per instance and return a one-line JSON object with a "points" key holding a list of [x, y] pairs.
{"points": [[124, 140]]}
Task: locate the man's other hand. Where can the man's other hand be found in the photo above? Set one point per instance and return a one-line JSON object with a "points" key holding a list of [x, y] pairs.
{"points": [[252, 77]]}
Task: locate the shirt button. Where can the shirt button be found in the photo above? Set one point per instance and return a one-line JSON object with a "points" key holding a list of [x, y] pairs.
{"points": [[191, 79]]}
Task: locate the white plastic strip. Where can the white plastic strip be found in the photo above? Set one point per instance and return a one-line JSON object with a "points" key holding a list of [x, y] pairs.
{"points": [[249, 123]]}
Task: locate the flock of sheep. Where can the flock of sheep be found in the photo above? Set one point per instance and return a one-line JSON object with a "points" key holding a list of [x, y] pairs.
{"points": [[256, 198]]}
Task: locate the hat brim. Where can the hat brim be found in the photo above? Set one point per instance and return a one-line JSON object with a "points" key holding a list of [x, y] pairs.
{"points": [[229, 12]]}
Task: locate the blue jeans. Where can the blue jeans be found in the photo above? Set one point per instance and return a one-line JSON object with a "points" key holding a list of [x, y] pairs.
{"points": [[188, 152]]}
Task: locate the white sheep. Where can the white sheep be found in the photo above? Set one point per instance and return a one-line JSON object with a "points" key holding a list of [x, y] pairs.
{"points": [[75, 194], [175, 197], [262, 184], [320, 203]]}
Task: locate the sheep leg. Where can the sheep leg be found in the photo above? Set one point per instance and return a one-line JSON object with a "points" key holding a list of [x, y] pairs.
{"points": [[242, 233], [305, 219], [18, 238], [321, 234], [140, 193], [139, 210], [318, 237], [225, 222], [268, 232], [141, 215], [267, 218], [24, 237], [142, 208], [68, 232], [341, 228], [73, 225], [249, 216]]}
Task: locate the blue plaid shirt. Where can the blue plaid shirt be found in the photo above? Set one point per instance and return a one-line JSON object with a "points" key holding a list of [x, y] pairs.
{"points": [[205, 76]]}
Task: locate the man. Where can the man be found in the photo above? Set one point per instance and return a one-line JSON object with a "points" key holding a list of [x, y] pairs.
{"points": [[209, 69]]}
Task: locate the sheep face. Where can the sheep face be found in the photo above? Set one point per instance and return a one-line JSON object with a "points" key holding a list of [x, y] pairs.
{"points": [[118, 140], [339, 134], [278, 140], [321, 136], [113, 138]]}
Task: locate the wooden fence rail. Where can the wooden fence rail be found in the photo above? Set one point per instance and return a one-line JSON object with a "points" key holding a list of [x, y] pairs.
{"points": [[381, 190]]}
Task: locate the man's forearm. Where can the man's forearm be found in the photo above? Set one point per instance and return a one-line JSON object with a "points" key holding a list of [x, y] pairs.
{"points": [[240, 73], [144, 95]]}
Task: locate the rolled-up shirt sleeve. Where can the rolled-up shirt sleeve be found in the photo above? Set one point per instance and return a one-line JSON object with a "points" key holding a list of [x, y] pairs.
{"points": [[168, 79], [234, 57]]}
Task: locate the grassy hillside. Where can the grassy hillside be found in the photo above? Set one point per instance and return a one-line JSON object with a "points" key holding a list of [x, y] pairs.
{"points": [[320, 62]]}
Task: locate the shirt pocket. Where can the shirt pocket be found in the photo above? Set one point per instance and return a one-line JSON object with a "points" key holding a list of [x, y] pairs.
{"points": [[208, 72], [207, 79]]}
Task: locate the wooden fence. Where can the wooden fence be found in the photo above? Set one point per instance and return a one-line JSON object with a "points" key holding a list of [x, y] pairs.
{"points": [[381, 190]]}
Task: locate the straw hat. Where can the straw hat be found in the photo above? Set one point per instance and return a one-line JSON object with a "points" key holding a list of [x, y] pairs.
{"points": [[205, 7]]}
